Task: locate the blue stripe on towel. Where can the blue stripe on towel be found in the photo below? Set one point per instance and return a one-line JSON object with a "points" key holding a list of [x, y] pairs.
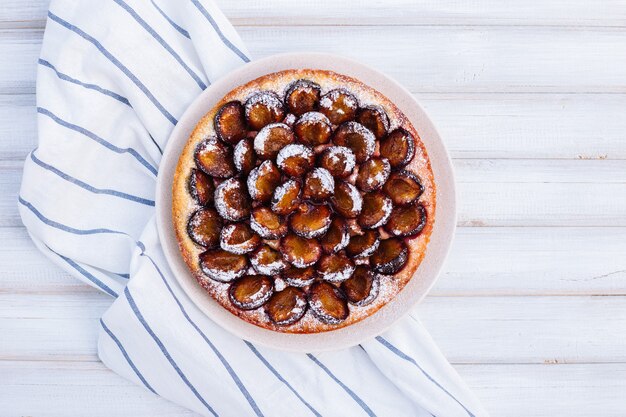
{"points": [[130, 362], [94, 87], [406, 357], [171, 22], [355, 397], [222, 359], [115, 62], [86, 274], [159, 39], [88, 187], [228, 43], [97, 139], [167, 355]]}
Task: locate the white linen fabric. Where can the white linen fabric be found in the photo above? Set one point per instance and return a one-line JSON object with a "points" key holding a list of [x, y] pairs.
{"points": [[113, 77]]}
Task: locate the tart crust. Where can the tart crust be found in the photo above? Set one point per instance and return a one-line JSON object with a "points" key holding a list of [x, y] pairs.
{"points": [[184, 205]]}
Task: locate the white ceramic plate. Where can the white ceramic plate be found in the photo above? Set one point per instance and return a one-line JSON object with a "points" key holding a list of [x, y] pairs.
{"points": [[416, 288]]}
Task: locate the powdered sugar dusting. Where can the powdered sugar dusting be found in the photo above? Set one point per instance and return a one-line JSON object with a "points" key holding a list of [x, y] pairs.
{"points": [[368, 136], [239, 154], [221, 275], [341, 154], [313, 117], [264, 134], [386, 209], [355, 196], [293, 150], [267, 98], [328, 99], [223, 209], [339, 275], [325, 178], [253, 178]]}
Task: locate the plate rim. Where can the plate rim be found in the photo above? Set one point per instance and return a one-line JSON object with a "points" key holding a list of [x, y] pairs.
{"points": [[436, 252]]}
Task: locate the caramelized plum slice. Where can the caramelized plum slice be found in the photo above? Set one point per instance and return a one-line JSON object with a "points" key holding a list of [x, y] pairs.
{"points": [[231, 200], [339, 106], [267, 224], [347, 200], [287, 306], [239, 238], [390, 257], [358, 138], [295, 159], [214, 158], [328, 303], [362, 287], [267, 261], [313, 129], [251, 291], [403, 188], [338, 160], [302, 96], [263, 180], [373, 174], [271, 139], [244, 156], [336, 267], [300, 252], [398, 147], [337, 236], [204, 227], [310, 221], [319, 184], [406, 220], [299, 277], [376, 210], [263, 108], [201, 187], [286, 197], [223, 266], [375, 119], [230, 123], [364, 245]]}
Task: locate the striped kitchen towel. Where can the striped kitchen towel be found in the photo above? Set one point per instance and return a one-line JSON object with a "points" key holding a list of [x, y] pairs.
{"points": [[113, 78]]}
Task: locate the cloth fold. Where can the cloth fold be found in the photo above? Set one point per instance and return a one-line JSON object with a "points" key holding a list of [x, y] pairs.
{"points": [[113, 78]]}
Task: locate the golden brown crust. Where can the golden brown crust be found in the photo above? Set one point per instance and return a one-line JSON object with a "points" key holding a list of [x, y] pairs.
{"points": [[184, 206]]}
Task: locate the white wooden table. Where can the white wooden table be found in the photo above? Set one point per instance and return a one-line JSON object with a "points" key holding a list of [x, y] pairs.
{"points": [[530, 98]]}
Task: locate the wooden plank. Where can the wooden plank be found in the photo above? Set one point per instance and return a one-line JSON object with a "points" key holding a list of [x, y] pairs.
{"points": [[392, 12], [493, 329], [424, 59]]}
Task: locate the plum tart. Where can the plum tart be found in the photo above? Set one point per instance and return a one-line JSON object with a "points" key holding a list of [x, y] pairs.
{"points": [[304, 201]]}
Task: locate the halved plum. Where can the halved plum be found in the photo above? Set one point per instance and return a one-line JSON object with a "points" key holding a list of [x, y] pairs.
{"points": [[244, 156], [336, 267], [339, 105], [375, 119], [267, 224], [267, 261], [204, 227], [310, 221], [287, 306], [300, 252], [373, 174], [286, 197], [295, 159], [239, 238], [319, 184], [263, 108], [390, 257], [230, 122], [364, 245], [406, 221], [201, 187], [403, 187], [328, 303], [251, 291], [313, 129], [271, 139], [362, 287], [263, 180], [232, 200], [337, 236], [376, 210], [358, 138], [299, 277], [223, 266], [338, 160], [398, 147], [347, 200], [302, 96], [215, 158]]}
